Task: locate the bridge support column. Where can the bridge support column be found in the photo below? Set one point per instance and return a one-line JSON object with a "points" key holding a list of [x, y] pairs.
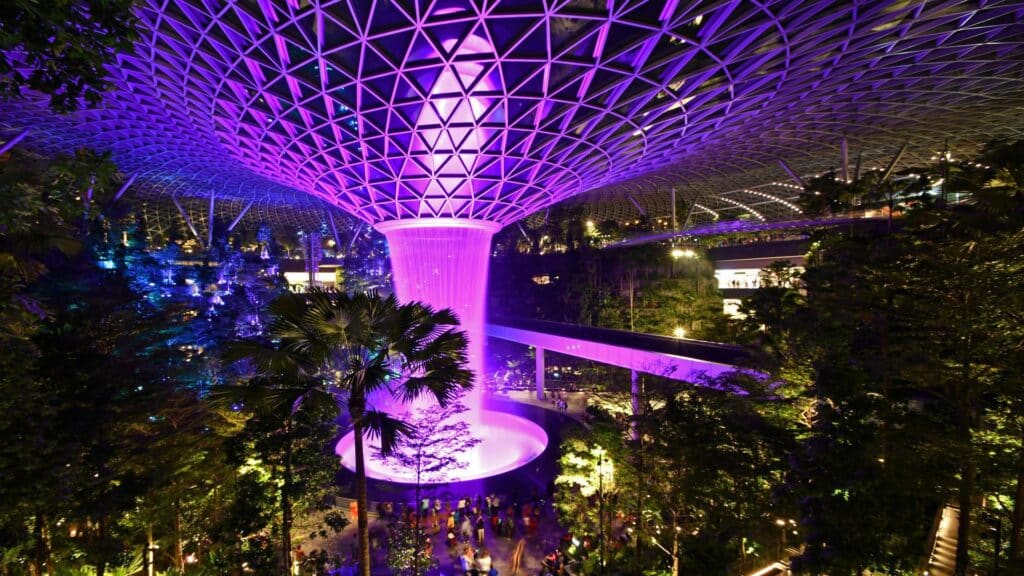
{"points": [[636, 403], [539, 366]]}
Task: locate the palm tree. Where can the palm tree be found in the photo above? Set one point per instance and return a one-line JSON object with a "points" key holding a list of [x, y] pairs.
{"points": [[328, 346]]}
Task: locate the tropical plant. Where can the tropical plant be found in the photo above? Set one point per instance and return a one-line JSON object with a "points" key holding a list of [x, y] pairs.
{"points": [[62, 48], [326, 346]]}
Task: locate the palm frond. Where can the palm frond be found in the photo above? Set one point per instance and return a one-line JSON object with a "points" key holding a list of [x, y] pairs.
{"points": [[385, 428], [259, 399], [269, 360], [366, 373], [443, 378]]}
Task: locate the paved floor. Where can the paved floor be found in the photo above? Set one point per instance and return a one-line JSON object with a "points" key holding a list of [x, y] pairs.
{"points": [[576, 402], [536, 544]]}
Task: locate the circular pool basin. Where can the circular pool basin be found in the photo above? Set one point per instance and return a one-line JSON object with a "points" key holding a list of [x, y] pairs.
{"points": [[507, 442]]}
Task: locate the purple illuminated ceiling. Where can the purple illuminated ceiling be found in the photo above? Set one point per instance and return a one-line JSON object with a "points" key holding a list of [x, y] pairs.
{"points": [[392, 109]]}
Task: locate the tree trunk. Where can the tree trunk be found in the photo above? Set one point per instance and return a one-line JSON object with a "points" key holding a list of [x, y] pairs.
{"points": [[967, 474], [179, 553], [42, 548], [101, 565], [363, 523], [416, 527], [286, 501], [148, 557], [675, 544], [638, 446], [1017, 527]]}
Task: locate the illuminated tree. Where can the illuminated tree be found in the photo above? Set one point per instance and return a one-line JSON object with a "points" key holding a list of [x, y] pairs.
{"points": [[436, 439], [328, 346], [591, 471]]}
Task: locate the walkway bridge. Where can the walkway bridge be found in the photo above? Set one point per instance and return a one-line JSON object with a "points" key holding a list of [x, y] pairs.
{"points": [[674, 358]]}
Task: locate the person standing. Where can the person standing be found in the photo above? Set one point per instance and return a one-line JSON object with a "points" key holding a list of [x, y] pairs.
{"points": [[480, 529], [466, 529], [508, 527], [466, 561], [483, 562]]}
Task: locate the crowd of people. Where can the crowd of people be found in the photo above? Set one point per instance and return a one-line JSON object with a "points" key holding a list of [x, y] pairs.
{"points": [[471, 527]]}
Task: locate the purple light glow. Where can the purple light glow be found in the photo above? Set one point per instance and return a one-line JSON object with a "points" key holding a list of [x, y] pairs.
{"points": [[451, 110], [507, 442], [443, 262]]}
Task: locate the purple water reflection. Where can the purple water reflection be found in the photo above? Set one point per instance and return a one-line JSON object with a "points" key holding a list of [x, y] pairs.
{"points": [[507, 443]]}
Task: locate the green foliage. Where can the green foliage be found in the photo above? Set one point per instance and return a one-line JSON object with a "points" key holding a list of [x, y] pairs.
{"points": [[133, 567], [594, 287], [703, 468], [62, 47], [906, 340], [406, 553], [829, 194], [41, 213]]}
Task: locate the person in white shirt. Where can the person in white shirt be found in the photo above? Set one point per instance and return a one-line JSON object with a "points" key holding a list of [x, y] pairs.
{"points": [[483, 562]]}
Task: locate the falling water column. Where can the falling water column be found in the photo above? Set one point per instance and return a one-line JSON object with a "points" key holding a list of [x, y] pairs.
{"points": [[444, 262]]}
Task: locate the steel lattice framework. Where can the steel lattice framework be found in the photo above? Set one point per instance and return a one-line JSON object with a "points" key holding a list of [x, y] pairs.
{"points": [[492, 110]]}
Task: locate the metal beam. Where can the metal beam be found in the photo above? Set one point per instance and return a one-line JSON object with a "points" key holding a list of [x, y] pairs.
{"points": [[844, 160], [184, 216], [893, 162], [638, 207], [675, 224], [209, 221], [6, 147], [334, 229], [124, 187], [525, 235], [358, 231], [689, 211], [240, 215], [686, 361], [741, 226], [799, 181]]}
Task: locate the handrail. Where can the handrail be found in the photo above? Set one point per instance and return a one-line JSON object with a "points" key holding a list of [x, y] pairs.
{"points": [[683, 347]]}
